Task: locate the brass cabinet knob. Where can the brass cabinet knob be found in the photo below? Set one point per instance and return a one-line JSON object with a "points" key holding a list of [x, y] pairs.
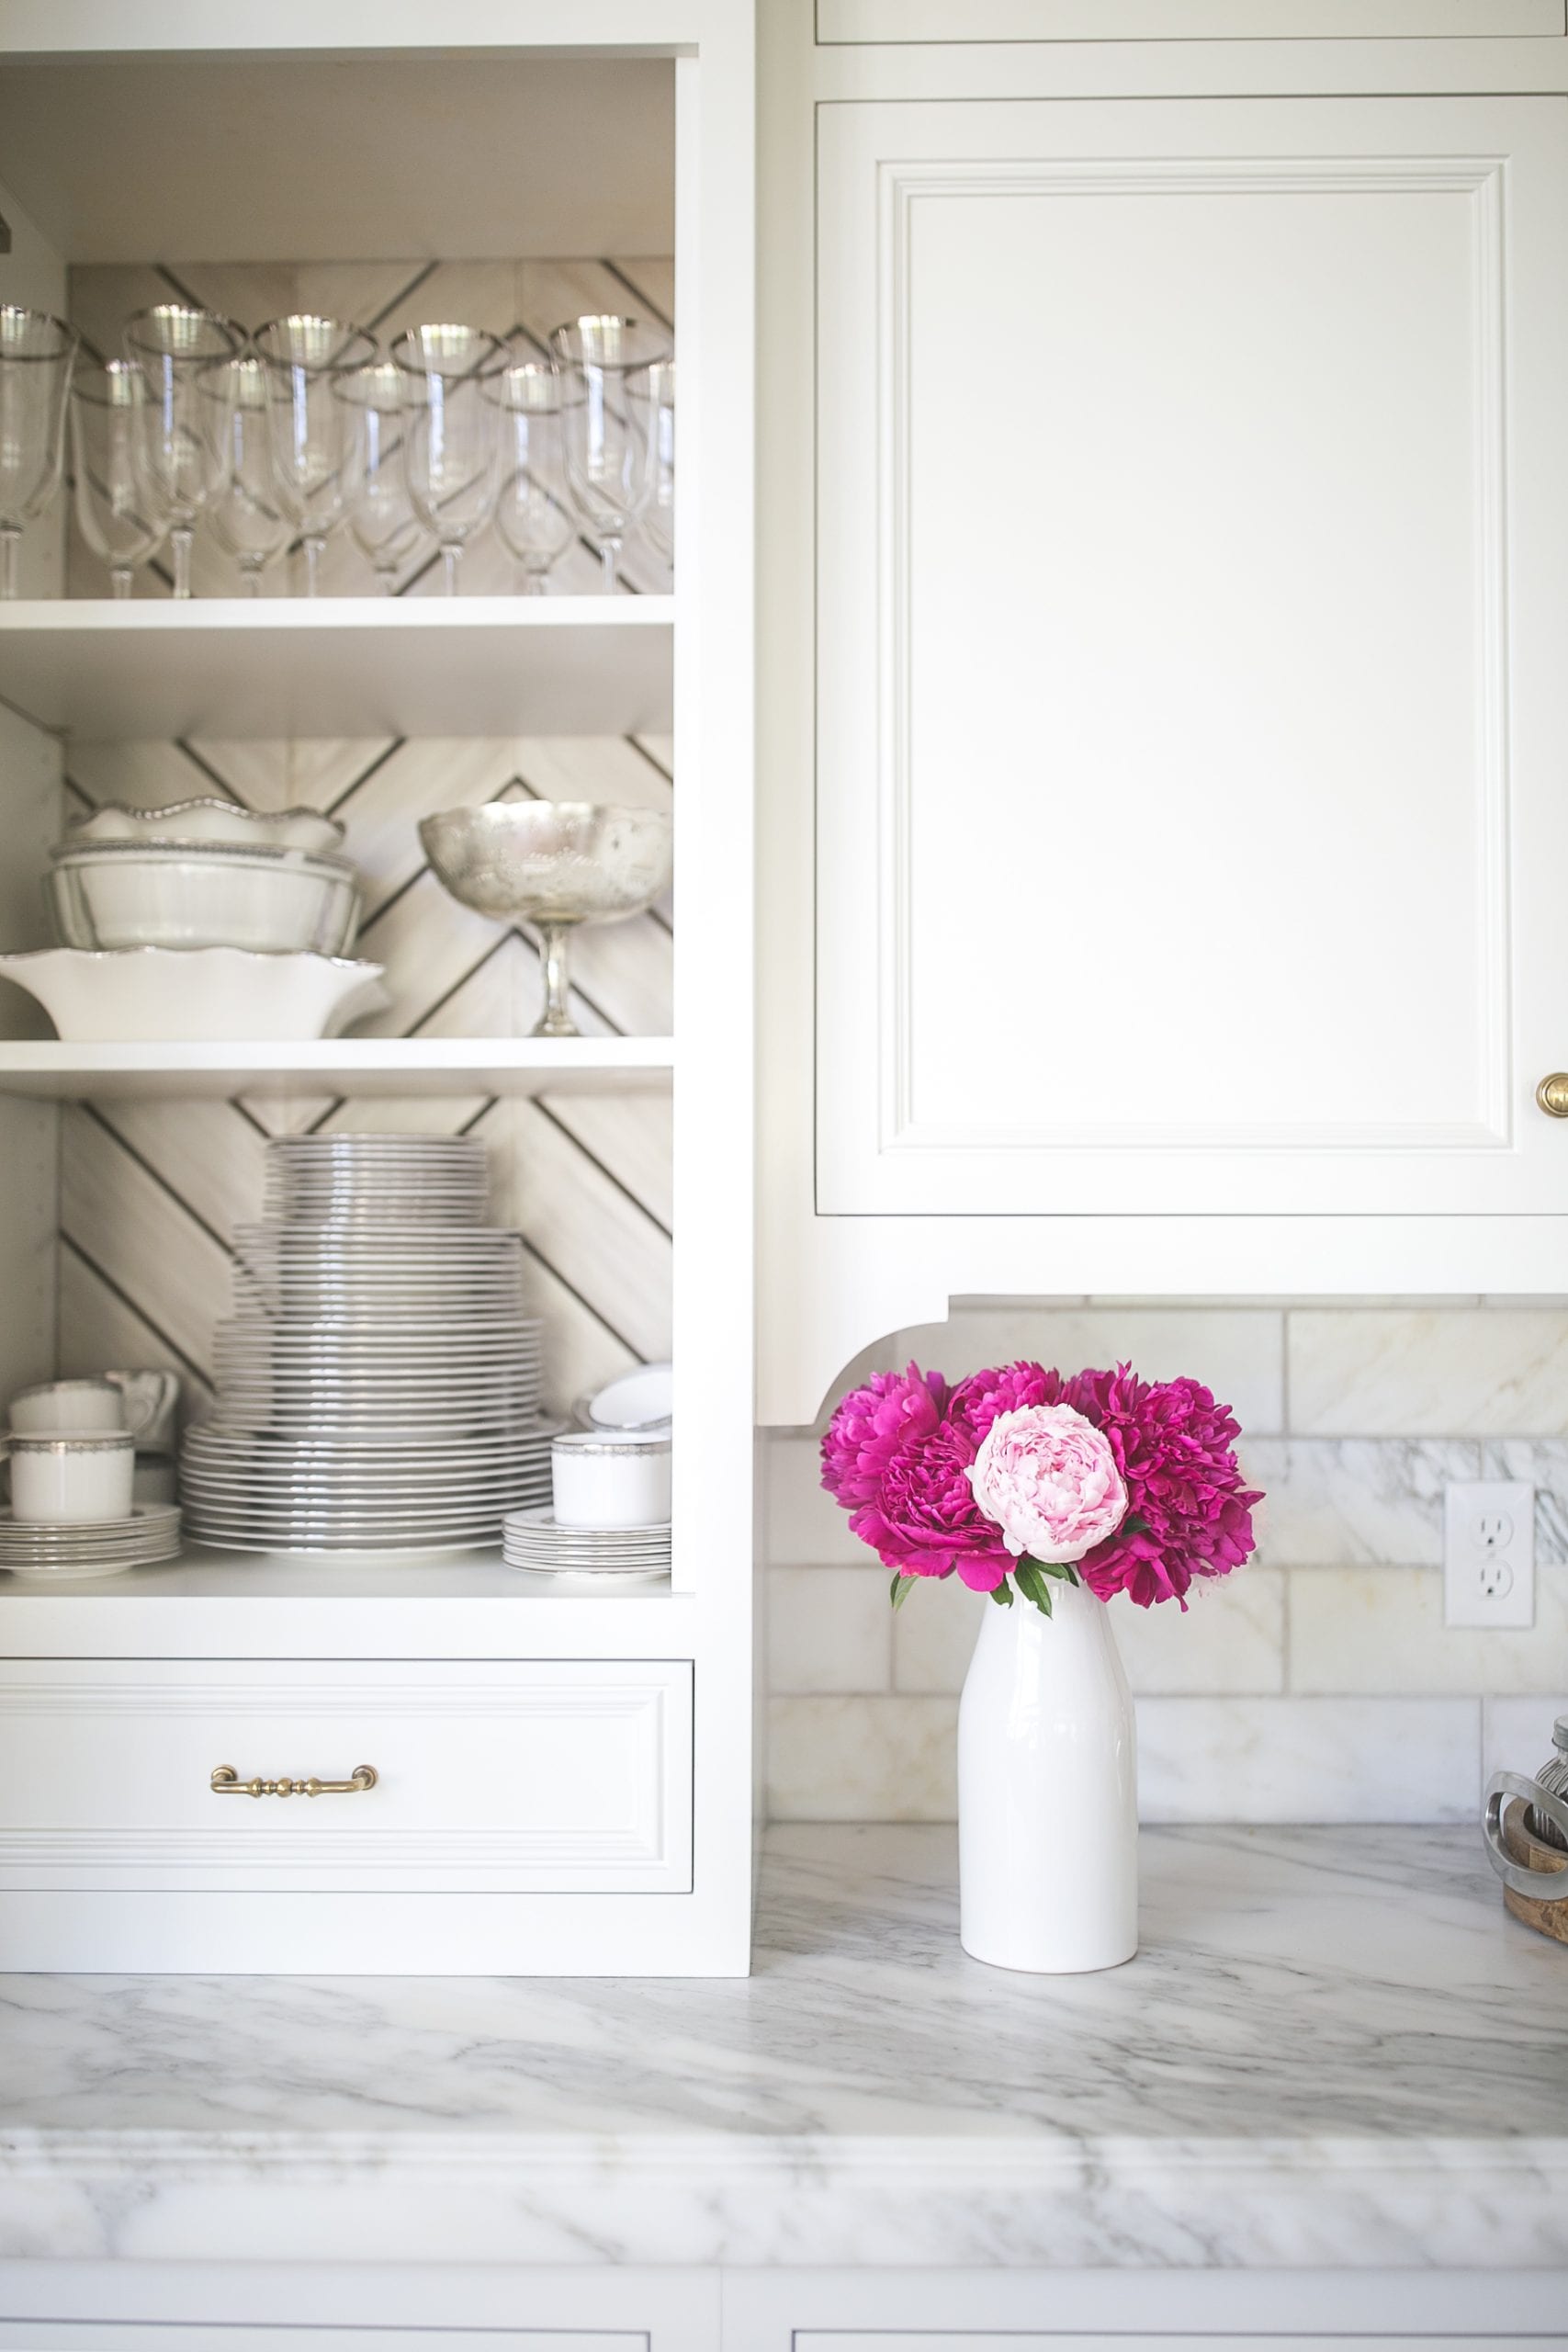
{"points": [[1552, 1094]]}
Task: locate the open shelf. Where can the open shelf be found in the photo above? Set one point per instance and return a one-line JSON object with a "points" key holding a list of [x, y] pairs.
{"points": [[377, 1065], [341, 666], [239, 1605]]}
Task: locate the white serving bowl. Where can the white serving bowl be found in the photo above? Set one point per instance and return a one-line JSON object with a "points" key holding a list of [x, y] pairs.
{"points": [[277, 901], [196, 995], [209, 820]]}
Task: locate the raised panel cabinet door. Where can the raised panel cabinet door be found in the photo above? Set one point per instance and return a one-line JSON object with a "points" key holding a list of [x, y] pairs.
{"points": [[492, 1777], [1192, 714]]}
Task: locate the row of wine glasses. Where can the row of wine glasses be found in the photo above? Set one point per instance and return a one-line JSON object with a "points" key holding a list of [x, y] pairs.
{"points": [[291, 434]]}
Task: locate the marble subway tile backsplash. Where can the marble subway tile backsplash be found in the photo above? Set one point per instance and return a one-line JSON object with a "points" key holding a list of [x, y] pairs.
{"points": [[1320, 1683]]}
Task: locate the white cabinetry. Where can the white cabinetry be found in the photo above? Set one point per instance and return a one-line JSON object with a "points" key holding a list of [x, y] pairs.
{"points": [[562, 1781], [1175, 812]]}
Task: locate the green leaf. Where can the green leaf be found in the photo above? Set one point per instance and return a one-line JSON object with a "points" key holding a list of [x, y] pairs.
{"points": [[1002, 1594], [902, 1586], [1032, 1585]]}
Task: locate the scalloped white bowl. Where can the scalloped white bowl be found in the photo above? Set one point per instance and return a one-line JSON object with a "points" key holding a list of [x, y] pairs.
{"points": [[160, 996], [208, 820]]}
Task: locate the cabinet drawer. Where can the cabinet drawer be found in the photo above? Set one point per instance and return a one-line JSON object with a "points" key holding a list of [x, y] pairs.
{"points": [[518, 1777], [898, 21], [92, 2336], [902, 2340]]}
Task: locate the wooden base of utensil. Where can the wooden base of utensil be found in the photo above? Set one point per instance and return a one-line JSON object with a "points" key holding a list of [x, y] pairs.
{"points": [[1547, 1918]]}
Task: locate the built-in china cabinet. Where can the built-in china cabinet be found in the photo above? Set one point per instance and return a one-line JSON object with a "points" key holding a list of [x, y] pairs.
{"points": [[563, 1782]]}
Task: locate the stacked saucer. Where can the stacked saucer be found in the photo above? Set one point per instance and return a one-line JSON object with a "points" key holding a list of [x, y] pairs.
{"points": [[535, 1544], [378, 1383], [63, 1551]]}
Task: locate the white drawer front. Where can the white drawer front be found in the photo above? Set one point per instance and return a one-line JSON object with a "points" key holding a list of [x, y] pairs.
{"points": [[67, 2335], [519, 1777]]}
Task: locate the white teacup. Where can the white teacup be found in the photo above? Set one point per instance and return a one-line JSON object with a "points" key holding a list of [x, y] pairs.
{"points": [[70, 1476], [69, 1405]]}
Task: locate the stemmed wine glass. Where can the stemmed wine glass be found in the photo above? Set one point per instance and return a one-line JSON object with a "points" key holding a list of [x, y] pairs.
{"points": [[180, 463], [36, 357], [658, 522], [308, 359], [385, 526], [451, 440], [113, 512], [531, 515], [247, 517], [603, 363]]}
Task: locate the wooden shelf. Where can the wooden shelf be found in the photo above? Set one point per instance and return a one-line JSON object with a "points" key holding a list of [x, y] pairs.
{"points": [[373, 1065], [240, 1604], [344, 665]]}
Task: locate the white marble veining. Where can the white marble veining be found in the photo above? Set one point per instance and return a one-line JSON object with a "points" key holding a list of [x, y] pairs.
{"points": [[1334, 2049]]}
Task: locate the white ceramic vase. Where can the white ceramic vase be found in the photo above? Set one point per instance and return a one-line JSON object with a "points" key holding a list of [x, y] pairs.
{"points": [[1047, 1790]]}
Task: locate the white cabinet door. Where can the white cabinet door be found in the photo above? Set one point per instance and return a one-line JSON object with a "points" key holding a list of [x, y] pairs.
{"points": [[1193, 765]]}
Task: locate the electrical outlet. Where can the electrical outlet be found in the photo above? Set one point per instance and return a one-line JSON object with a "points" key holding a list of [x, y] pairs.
{"points": [[1489, 1553]]}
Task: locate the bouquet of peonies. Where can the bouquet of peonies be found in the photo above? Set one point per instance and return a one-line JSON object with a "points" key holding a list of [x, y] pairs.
{"points": [[1119, 1483]]}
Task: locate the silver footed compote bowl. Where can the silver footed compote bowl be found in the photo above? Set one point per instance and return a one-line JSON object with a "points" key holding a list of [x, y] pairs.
{"points": [[554, 863]]}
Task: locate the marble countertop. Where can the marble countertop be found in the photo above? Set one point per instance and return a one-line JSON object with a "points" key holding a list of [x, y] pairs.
{"points": [[1332, 2049]]}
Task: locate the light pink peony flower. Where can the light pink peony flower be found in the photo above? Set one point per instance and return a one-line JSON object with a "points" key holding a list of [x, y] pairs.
{"points": [[1050, 1481]]}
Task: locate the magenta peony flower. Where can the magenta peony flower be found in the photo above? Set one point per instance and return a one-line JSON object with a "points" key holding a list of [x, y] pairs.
{"points": [[1188, 1515], [1050, 1480], [925, 1520], [976, 1402], [894, 1409]]}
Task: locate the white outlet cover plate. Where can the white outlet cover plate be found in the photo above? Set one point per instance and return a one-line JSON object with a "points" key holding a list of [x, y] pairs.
{"points": [[1489, 1538]]}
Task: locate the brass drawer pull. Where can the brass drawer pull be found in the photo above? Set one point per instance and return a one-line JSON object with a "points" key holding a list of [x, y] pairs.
{"points": [[226, 1782], [1552, 1094]]}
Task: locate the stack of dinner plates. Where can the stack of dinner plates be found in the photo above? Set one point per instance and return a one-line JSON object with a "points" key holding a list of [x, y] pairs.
{"points": [[64, 1549], [378, 1383], [534, 1543]]}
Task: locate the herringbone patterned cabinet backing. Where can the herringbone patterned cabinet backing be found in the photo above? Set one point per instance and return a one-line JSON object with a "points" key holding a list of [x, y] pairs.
{"points": [[151, 1191]]}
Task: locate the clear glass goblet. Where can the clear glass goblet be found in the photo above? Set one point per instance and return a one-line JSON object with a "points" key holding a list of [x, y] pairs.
{"points": [[533, 514], [37, 353], [246, 516], [308, 359], [385, 528], [179, 461], [451, 432], [112, 511], [659, 519], [603, 363]]}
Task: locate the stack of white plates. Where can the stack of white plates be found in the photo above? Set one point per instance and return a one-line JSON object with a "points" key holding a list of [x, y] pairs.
{"points": [[534, 1543], [382, 1180], [379, 1385], [65, 1550]]}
